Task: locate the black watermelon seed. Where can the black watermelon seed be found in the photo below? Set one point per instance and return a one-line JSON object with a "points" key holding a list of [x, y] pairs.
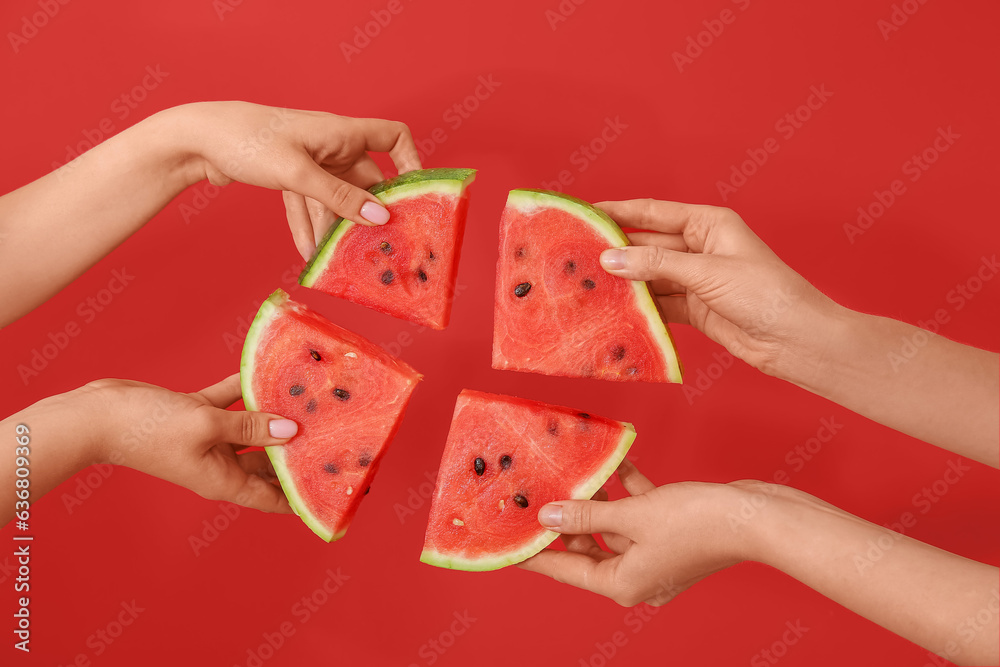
{"points": [[387, 276], [619, 352], [430, 255], [631, 370], [385, 247], [521, 501], [588, 284], [519, 253], [554, 427], [342, 394], [570, 267], [505, 462], [422, 276], [315, 355], [522, 289], [479, 465], [331, 468], [311, 405], [296, 389], [367, 490], [364, 460], [583, 414]]}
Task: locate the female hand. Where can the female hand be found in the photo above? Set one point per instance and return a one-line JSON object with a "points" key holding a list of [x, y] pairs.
{"points": [[708, 269], [661, 540], [76, 215], [188, 439], [320, 160]]}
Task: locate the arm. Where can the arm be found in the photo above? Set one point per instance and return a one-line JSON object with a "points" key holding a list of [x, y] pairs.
{"points": [[188, 439], [663, 540], [77, 214], [709, 270]]}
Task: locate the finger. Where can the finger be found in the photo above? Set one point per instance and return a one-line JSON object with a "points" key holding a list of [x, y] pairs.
{"points": [[364, 173], [223, 394], [251, 429], [346, 200], [617, 543], [662, 216], [666, 287], [675, 309], [320, 218], [299, 223], [257, 463], [249, 490], [644, 262], [392, 137], [668, 241], [584, 544], [585, 517], [634, 481], [597, 576], [601, 494]]}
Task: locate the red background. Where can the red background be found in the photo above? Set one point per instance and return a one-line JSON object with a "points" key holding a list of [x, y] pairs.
{"points": [[197, 280]]}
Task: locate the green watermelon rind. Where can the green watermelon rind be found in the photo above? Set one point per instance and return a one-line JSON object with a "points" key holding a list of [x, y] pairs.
{"points": [[526, 199], [584, 491], [269, 310], [411, 184]]}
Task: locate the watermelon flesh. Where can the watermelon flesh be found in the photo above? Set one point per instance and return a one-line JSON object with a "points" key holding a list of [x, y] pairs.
{"points": [[407, 267], [558, 312], [346, 394], [505, 458]]}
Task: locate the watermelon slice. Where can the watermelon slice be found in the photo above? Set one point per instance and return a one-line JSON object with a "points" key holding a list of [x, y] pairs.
{"points": [[558, 312], [407, 267], [347, 396], [505, 458]]}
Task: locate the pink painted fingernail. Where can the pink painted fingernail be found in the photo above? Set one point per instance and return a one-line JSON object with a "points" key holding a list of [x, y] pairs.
{"points": [[282, 428], [374, 213], [613, 259], [551, 516]]}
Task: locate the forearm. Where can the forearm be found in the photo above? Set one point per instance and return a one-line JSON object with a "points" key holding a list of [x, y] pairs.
{"points": [[54, 439], [73, 217], [909, 379], [932, 597]]}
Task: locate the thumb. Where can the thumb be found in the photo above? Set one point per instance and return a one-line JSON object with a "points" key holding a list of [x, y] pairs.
{"points": [[253, 429], [346, 200], [646, 262], [584, 517]]}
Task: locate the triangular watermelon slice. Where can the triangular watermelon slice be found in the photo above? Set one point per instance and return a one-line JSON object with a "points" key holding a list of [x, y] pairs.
{"points": [[505, 458], [558, 312], [407, 267], [346, 394]]}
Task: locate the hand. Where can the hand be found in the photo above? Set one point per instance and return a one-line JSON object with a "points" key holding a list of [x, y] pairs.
{"points": [[709, 270], [320, 160], [190, 439], [662, 540]]}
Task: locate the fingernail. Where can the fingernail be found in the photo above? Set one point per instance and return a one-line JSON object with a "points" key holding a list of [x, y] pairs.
{"points": [[550, 516], [374, 213], [282, 428], [613, 259]]}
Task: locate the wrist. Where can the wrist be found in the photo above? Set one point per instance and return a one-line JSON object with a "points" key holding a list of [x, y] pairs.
{"points": [[74, 426], [752, 519], [174, 136], [813, 358]]}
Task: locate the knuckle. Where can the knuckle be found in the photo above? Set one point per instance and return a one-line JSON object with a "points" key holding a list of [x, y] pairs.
{"points": [[403, 130], [654, 258], [250, 428], [580, 517], [342, 195]]}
